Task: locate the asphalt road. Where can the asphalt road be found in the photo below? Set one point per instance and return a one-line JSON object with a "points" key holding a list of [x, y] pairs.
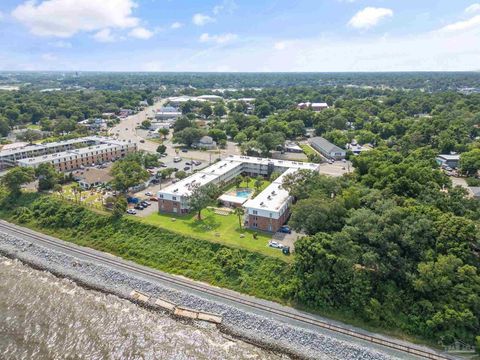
{"points": [[264, 308]]}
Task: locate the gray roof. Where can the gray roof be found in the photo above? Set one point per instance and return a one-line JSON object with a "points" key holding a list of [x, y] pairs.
{"points": [[206, 140], [475, 190], [325, 145]]}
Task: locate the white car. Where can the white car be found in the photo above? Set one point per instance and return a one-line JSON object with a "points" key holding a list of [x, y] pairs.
{"points": [[131, 211], [275, 244], [148, 193]]}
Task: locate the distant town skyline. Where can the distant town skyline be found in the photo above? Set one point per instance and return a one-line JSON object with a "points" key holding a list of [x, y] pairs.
{"points": [[241, 35]]}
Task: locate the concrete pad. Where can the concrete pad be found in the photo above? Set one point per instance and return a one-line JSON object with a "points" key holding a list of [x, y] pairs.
{"points": [[136, 295], [213, 318], [186, 313], [165, 304]]}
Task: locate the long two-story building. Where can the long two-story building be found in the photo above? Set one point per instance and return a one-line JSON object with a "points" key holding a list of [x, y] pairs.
{"points": [[267, 211], [98, 151]]}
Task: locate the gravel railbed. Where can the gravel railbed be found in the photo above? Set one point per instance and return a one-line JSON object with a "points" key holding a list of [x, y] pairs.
{"points": [[294, 341]]}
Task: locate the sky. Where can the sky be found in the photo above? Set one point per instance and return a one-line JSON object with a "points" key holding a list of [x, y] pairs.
{"points": [[240, 35]]}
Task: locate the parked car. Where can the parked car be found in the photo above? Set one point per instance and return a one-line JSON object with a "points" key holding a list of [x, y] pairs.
{"points": [[145, 204], [184, 150], [164, 155], [188, 163], [142, 141], [275, 244], [153, 198], [186, 168], [177, 159], [148, 193], [286, 250], [285, 229], [197, 163], [131, 212], [138, 207]]}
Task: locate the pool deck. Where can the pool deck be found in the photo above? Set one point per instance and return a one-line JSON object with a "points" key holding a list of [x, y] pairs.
{"points": [[233, 198]]}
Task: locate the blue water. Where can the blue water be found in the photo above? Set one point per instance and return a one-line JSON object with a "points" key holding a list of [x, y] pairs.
{"points": [[243, 193]]}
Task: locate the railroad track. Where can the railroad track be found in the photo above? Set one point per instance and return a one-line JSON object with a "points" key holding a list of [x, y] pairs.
{"points": [[103, 259]]}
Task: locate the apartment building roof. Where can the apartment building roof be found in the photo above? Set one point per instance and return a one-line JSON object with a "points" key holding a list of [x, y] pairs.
{"points": [[68, 154], [273, 197]]}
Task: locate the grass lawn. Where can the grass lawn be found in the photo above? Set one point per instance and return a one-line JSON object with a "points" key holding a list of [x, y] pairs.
{"points": [[307, 149], [251, 186], [87, 197], [223, 229], [33, 127]]}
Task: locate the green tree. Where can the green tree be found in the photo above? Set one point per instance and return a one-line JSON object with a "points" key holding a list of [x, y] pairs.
{"points": [[47, 176], [31, 136], [219, 110], [239, 212], [470, 162], [258, 183], [188, 136], [16, 177], [246, 179], [164, 132], [206, 110], [316, 215], [120, 206], [240, 138], [200, 197], [180, 174], [161, 149], [127, 173], [146, 124], [4, 127]]}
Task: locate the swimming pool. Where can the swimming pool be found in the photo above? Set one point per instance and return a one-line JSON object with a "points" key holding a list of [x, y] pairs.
{"points": [[244, 193]]}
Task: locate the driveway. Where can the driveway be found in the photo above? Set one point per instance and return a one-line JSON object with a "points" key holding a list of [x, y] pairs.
{"points": [[287, 239]]}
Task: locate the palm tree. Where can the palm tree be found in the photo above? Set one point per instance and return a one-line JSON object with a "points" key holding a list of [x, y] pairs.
{"points": [[58, 189], [247, 179], [239, 212], [258, 183], [75, 190]]}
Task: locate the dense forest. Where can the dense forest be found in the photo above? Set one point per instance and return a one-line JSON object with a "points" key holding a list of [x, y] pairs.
{"points": [[62, 110], [430, 81]]}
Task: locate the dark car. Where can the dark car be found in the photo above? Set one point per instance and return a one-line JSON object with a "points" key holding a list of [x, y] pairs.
{"points": [[138, 207], [184, 150], [142, 141], [186, 168], [285, 229]]}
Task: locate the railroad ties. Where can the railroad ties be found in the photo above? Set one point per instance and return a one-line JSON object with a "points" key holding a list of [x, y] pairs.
{"points": [[179, 311]]}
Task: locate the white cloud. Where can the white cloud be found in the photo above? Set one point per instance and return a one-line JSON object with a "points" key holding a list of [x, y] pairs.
{"points": [[176, 25], [61, 44], [48, 57], [227, 6], [104, 35], [141, 33], [202, 19], [218, 39], [280, 45], [369, 17], [474, 8], [64, 18], [463, 25]]}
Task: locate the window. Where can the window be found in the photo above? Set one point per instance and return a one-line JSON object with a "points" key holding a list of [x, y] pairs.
{"points": [[255, 212], [174, 198], [161, 196]]}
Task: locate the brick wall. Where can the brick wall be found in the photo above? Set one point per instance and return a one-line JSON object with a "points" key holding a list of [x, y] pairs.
{"points": [[265, 223]]}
